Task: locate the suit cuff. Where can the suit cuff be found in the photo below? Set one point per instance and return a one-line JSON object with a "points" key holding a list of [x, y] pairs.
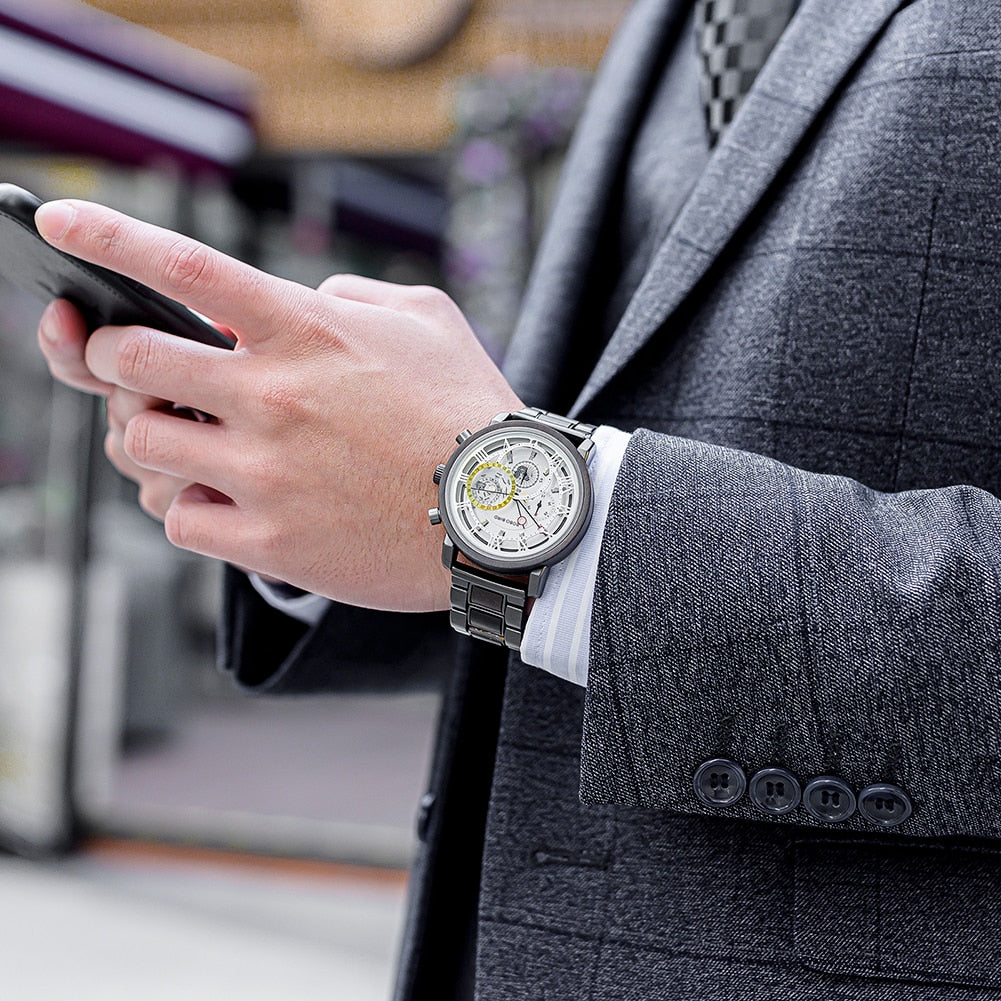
{"points": [[558, 634]]}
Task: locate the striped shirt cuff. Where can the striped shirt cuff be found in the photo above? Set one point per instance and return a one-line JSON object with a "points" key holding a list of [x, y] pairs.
{"points": [[558, 634]]}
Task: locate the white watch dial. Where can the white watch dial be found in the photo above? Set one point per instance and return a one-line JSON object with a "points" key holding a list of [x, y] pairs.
{"points": [[515, 494]]}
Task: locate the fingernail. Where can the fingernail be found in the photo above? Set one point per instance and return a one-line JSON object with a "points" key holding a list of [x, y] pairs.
{"points": [[47, 324], [53, 219]]}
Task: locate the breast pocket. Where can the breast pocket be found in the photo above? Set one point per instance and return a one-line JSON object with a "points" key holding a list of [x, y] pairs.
{"points": [[929, 913]]}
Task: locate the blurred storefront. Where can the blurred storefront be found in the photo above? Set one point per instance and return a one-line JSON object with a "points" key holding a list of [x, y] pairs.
{"points": [[411, 140]]}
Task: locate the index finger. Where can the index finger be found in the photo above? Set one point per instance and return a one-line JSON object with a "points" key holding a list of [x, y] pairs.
{"points": [[206, 280]]}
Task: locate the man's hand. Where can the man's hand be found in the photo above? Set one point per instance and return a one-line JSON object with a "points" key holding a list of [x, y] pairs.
{"points": [[330, 415]]}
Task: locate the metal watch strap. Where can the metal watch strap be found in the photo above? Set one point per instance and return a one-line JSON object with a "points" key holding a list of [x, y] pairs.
{"points": [[489, 606], [572, 428]]}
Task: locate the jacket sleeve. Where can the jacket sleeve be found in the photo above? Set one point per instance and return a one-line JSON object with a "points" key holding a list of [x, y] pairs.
{"points": [[749, 611], [349, 650]]}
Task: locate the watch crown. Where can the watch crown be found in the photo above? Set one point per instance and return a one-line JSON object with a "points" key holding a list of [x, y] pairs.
{"points": [[439, 472], [434, 516], [462, 436]]}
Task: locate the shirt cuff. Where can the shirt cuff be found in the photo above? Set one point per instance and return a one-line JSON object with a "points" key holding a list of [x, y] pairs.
{"points": [[558, 633], [301, 605]]}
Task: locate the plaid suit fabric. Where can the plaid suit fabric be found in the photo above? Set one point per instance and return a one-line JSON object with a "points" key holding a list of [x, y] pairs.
{"points": [[734, 38]]}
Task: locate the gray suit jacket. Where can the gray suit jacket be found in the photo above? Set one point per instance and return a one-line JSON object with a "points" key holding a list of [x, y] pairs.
{"points": [[802, 564]]}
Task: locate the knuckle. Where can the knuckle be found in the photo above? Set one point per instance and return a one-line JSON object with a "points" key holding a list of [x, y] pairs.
{"points": [[428, 299], [188, 265], [332, 285], [278, 303], [109, 236], [280, 401], [138, 441], [135, 358], [318, 326]]}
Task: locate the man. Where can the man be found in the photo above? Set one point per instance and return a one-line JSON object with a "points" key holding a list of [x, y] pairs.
{"points": [[773, 770]]}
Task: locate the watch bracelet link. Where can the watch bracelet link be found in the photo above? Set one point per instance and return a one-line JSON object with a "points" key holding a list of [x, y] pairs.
{"points": [[566, 425], [489, 607]]}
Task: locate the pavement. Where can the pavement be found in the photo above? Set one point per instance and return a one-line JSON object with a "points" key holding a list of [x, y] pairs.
{"points": [[302, 811], [255, 851], [332, 777], [121, 920]]}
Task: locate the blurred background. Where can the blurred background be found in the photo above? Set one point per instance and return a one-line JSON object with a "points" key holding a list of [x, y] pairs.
{"points": [[162, 835]]}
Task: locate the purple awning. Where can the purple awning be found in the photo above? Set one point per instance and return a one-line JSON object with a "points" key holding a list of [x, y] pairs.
{"points": [[77, 80]]}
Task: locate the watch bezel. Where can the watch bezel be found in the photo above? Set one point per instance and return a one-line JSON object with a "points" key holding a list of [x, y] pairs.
{"points": [[581, 519]]}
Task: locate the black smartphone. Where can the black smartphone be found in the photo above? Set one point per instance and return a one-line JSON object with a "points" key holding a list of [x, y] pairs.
{"points": [[102, 296]]}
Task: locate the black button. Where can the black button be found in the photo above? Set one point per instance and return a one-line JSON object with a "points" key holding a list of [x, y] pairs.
{"points": [[774, 791], [424, 815], [829, 799], [884, 805], [720, 782]]}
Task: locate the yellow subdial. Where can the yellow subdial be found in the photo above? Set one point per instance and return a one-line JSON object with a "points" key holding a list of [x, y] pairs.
{"points": [[490, 486]]}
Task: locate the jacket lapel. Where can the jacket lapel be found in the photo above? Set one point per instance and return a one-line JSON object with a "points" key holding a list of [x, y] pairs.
{"points": [[534, 360], [821, 45]]}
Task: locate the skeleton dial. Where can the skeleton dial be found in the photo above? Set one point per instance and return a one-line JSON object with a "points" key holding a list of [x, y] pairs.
{"points": [[513, 493]]}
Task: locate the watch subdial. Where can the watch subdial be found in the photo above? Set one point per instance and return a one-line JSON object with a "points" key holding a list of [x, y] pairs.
{"points": [[490, 486], [526, 474]]}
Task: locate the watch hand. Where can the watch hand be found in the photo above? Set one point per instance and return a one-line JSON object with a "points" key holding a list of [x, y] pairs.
{"points": [[532, 516]]}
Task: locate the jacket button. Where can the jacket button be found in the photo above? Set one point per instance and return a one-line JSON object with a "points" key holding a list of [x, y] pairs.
{"points": [[423, 821], [774, 791], [719, 782], [829, 799], [884, 805]]}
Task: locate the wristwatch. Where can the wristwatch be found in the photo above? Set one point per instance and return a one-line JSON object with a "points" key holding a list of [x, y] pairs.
{"points": [[515, 497]]}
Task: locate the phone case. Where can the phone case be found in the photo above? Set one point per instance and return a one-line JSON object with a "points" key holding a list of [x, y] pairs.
{"points": [[102, 296]]}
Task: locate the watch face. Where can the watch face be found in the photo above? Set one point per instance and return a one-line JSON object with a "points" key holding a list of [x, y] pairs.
{"points": [[515, 496]]}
